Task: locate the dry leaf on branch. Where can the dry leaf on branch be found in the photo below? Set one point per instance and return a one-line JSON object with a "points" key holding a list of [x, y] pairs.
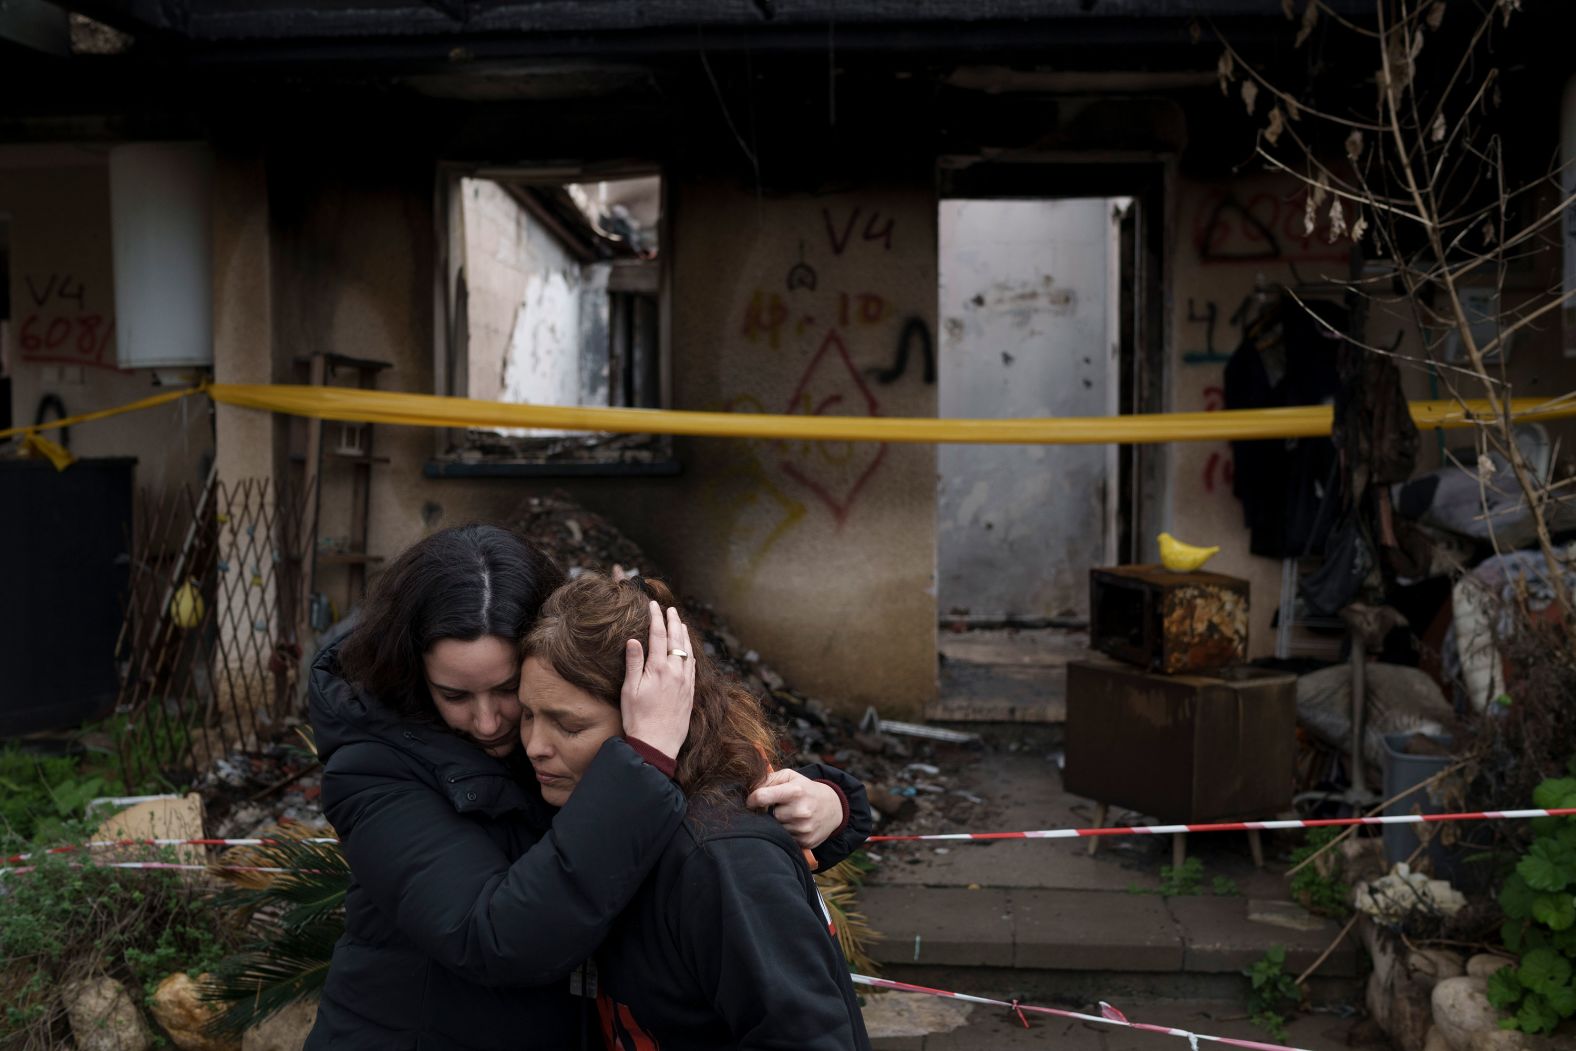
{"points": [[1359, 228], [1272, 131], [1437, 132], [1310, 209], [1224, 69], [1507, 7], [1337, 220], [1310, 18], [1293, 111], [1490, 235], [1436, 14], [1398, 57], [1354, 145], [1250, 95]]}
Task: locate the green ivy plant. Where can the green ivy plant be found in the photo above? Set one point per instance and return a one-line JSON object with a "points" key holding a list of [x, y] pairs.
{"points": [[1271, 992], [1539, 901], [1186, 880], [1319, 887]]}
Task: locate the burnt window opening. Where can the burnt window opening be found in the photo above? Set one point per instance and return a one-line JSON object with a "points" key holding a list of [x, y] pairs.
{"points": [[554, 297]]}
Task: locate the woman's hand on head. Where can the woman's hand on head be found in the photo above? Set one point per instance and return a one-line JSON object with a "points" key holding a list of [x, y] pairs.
{"points": [[659, 686], [808, 810]]}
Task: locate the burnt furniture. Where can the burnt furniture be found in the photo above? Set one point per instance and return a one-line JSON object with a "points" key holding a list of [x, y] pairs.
{"points": [[1181, 748], [1168, 622]]}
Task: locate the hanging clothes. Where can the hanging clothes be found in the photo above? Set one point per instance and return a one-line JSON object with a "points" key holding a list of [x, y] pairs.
{"points": [[1286, 357]]}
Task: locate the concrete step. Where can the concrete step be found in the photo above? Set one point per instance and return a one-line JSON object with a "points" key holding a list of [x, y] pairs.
{"points": [[906, 1022], [1006, 675], [999, 693], [1089, 944]]}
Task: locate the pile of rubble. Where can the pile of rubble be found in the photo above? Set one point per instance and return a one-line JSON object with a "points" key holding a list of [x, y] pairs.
{"points": [[246, 793]]}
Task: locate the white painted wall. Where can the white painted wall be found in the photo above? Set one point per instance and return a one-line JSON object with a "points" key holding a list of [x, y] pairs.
{"points": [[1028, 328], [525, 311]]}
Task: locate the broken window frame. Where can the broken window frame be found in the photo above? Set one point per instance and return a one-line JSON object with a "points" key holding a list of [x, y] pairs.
{"points": [[635, 288]]}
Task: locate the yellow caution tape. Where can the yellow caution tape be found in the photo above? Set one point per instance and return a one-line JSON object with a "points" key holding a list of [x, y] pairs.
{"points": [[54, 452], [430, 410], [103, 414]]}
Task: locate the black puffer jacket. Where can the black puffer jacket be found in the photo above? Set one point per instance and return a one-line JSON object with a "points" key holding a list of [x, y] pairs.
{"points": [[473, 901], [727, 945]]}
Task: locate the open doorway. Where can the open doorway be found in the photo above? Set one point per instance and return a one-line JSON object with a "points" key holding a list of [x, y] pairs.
{"points": [[1032, 325]]}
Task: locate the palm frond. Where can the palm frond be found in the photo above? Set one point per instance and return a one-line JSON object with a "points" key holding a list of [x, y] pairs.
{"points": [[314, 882], [274, 973], [296, 914], [839, 889]]}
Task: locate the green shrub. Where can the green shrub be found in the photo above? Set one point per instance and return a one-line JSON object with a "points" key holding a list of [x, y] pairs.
{"points": [[1319, 887], [1540, 920], [67, 918], [1271, 992]]}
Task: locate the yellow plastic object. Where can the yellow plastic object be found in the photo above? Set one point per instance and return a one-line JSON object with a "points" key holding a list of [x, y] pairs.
{"points": [[55, 453], [1183, 558], [186, 608]]}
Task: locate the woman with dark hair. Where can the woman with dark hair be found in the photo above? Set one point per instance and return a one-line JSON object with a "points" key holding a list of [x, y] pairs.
{"points": [[727, 943], [472, 902]]}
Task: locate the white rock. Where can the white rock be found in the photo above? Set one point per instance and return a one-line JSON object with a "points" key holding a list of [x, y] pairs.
{"points": [[285, 1031], [891, 1015], [1394, 896], [1435, 965], [103, 1018], [1484, 964], [1500, 1040], [1467, 1020]]}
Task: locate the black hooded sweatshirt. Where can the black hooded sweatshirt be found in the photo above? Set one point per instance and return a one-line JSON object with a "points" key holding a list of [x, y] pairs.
{"points": [[472, 901]]}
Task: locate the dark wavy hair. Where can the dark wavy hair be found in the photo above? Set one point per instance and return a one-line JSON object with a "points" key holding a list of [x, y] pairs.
{"points": [[460, 583], [581, 634]]}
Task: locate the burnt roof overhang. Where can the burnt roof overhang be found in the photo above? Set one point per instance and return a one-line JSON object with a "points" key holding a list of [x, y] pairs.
{"points": [[297, 29]]}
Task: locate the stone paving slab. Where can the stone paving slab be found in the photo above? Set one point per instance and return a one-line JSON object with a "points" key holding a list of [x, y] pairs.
{"points": [[1017, 863], [1220, 937], [1092, 931], [1085, 931], [990, 1028], [952, 925]]}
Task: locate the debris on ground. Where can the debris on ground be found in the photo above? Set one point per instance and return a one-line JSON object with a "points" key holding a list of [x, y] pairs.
{"points": [[248, 791], [1391, 898]]}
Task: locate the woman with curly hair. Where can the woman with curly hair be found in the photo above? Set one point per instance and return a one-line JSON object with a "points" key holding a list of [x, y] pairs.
{"points": [[726, 944]]}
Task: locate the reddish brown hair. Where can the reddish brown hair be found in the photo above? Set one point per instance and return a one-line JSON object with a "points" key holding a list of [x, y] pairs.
{"points": [[581, 633]]}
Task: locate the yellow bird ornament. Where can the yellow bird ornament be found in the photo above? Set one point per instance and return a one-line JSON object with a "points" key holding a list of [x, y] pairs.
{"points": [[1183, 558]]}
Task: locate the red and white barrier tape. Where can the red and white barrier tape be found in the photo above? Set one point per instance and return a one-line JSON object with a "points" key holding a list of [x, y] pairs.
{"points": [[1047, 833], [1108, 1015], [167, 865], [108, 844], [1235, 826]]}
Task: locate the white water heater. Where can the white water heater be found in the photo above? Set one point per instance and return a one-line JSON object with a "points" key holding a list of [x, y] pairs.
{"points": [[161, 224]]}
